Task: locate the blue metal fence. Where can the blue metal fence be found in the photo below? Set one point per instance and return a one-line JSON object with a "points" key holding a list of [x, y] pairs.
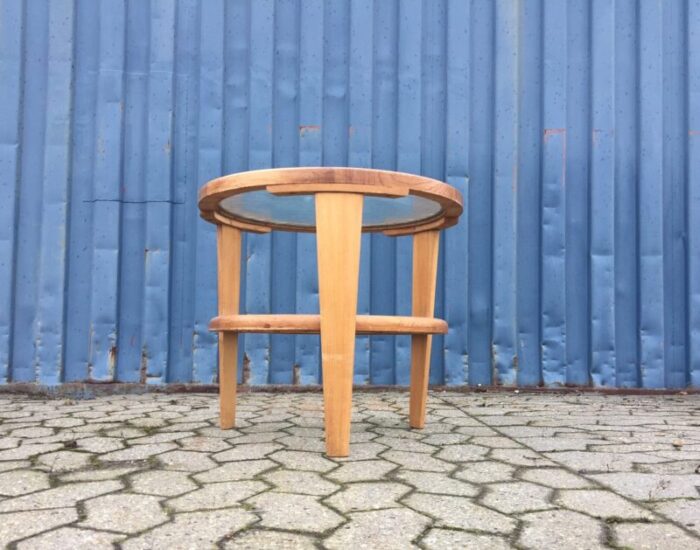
{"points": [[572, 129]]}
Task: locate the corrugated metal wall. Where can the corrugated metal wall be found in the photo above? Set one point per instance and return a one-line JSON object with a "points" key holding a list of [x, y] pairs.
{"points": [[572, 129]]}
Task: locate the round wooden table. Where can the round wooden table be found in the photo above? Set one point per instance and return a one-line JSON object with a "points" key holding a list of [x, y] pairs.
{"points": [[338, 204]]}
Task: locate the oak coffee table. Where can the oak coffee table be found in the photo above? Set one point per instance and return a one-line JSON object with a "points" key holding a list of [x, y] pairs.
{"points": [[338, 204]]}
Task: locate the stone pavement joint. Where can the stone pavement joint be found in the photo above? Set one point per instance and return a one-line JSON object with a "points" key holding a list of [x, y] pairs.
{"points": [[499, 471]]}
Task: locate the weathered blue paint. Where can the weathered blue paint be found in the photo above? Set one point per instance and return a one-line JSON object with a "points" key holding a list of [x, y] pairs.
{"points": [[625, 197], [693, 194], [571, 128], [528, 245]]}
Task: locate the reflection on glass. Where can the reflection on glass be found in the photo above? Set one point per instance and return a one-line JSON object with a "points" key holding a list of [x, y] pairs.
{"points": [[299, 210]]}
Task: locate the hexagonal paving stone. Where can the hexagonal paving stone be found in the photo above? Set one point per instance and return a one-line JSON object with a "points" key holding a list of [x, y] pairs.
{"points": [[418, 461], [14, 465], [685, 512], [461, 421], [527, 431], [91, 428], [125, 432], [295, 443], [138, 452], [664, 468], [433, 482], [400, 433], [235, 471], [520, 457], [515, 497], [124, 513], [368, 496], [601, 504], [216, 495], [305, 483], [365, 470], [495, 442], [179, 426], [300, 460], [63, 495], [59, 437], [64, 460], [486, 472], [189, 461], [651, 486], [204, 444], [270, 539], [560, 443], [162, 482], [608, 447], [294, 512], [98, 474], [561, 529], [650, 536], [307, 422], [273, 416], [687, 452], [27, 451], [405, 444], [438, 440], [446, 412], [385, 420], [64, 422], [147, 422], [32, 432], [70, 537], [364, 451], [266, 427], [160, 437], [636, 434], [246, 452], [379, 530], [9, 442], [475, 430], [216, 432], [439, 539], [20, 482], [19, 525], [587, 461], [460, 513], [557, 478], [262, 437], [314, 433], [100, 444], [192, 530]]}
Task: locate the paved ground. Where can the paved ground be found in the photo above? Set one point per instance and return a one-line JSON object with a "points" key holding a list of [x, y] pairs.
{"points": [[489, 471]]}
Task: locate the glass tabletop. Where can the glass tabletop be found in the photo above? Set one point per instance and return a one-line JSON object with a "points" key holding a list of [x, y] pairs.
{"points": [[299, 210]]}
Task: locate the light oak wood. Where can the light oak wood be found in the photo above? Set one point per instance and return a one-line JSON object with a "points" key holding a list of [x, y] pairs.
{"points": [[400, 231], [308, 188], [339, 199], [425, 262], [229, 262], [339, 229], [317, 179], [311, 324], [218, 218]]}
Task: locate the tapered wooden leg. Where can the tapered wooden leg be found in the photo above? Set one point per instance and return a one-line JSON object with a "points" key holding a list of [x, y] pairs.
{"points": [[228, 240], [425, 261], [338, 229]]}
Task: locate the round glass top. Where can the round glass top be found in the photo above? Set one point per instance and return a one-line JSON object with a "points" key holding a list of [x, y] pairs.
{"points": [[395, 203], [299, 210]]}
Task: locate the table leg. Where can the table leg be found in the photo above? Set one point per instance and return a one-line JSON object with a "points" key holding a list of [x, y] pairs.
{"points": [[338, 229], [229, 266], [425, 261]]}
